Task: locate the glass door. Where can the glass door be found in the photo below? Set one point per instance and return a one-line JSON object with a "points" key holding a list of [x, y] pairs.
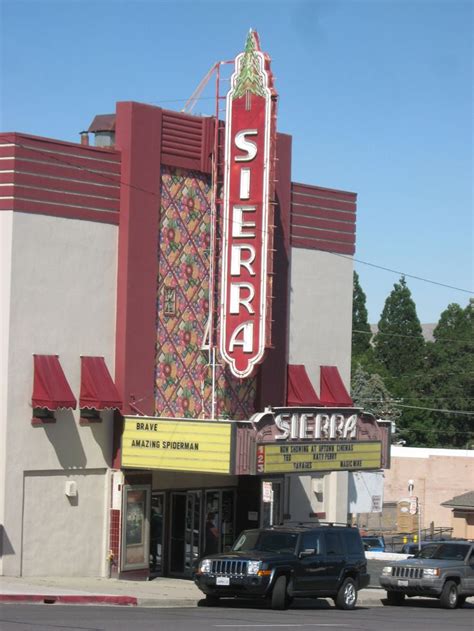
{"points": [[193, 519], [184, 532], [157, 520], [219, 511]]}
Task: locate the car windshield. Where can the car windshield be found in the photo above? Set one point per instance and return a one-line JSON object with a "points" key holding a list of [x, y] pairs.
{"points": [[373, 541], [447, 551], [277, 542]]}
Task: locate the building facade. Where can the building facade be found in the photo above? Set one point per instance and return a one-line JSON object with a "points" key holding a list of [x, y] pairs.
{"points": [[109, 260]]}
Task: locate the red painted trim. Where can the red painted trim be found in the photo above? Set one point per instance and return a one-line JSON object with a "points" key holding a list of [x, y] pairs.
{"points": [[187, 151], [322, 202], [70, 599], [310, 189], [60, 171], [107, 155], [337, 215], [180, 162], [207, 144], [63, 198], [61, 185], [98, 216], [86, 164], [41, 157], [301, 221], [64, 159], [324, 246], [271, 383], [191, 138], [138, 135], [324, 235]]}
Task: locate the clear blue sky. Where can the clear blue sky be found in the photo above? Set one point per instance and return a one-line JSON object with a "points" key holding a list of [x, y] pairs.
{"points": [[376, 94]]}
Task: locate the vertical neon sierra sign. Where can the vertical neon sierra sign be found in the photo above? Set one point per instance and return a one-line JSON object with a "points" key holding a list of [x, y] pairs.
{"points": [[247, 230]]}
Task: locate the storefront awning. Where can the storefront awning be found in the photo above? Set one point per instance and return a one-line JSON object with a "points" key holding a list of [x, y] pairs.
{"points": [[300, 390], [98, 390], [50, 387], [333, 392]]}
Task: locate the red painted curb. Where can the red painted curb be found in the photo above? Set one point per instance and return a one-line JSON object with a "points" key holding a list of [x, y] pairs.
{"points": [[51, 599]]}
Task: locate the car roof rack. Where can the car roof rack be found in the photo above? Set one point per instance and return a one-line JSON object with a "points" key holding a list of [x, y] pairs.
{"points": [[313, 524]]}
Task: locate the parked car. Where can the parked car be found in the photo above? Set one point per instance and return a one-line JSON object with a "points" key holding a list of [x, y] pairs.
{"points": [[374, 543], [443, 570], [412, 548], [280, 563]]}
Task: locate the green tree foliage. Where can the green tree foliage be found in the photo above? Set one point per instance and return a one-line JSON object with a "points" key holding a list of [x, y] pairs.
{"points": [[399, 343], [448, 381], [420, 380], [369, 392], [361, 333]]}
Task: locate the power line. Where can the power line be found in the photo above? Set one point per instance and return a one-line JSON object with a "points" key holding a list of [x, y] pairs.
{"points": [[417, 407], [142, 190], [438, 339], [394, 271]]}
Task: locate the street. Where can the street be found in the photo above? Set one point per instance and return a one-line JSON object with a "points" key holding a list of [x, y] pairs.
{"points": [[319, 614]]}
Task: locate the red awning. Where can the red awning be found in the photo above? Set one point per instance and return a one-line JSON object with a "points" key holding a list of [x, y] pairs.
{"points": [[333, 392], [98, 391], [300, 390], [50, 387]]}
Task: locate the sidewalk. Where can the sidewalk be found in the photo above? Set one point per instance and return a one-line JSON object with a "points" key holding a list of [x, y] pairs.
{"points": [[160, 592]]}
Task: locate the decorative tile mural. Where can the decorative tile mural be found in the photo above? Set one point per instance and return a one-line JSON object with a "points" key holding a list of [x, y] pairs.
{"points": [[183, 375]]}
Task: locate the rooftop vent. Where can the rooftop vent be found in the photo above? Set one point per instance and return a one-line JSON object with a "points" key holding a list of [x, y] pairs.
{"points": [[103, 128]]}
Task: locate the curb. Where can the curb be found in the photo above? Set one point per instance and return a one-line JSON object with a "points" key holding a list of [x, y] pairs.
{"points": [[163, 604], [51, 599]]}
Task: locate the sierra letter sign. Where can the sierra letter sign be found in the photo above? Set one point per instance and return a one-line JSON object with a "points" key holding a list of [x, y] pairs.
{"points": [[247, 227]]}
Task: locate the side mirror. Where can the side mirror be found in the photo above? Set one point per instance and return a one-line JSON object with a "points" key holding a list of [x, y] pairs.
{"points": [[309, 552]]}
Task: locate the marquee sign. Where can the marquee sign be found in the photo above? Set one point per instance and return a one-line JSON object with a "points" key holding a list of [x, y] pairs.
{"points": [[177, 444], [312, 439], [247, 217], [314, 457]]}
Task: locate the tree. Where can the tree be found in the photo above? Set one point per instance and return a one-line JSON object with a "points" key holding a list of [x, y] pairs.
{"points": [[361, 333], [369, 392], [448, 381], [399, 343]]}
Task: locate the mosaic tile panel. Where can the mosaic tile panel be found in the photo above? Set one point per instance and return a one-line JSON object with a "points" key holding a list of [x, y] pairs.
{"points": [[183, 376]]}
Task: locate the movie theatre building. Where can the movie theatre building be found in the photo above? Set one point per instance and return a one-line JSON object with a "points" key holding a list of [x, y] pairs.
{"points": [[175, 339]]}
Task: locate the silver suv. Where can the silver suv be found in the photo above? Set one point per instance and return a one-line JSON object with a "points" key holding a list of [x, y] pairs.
{"points": [[443, 570]]}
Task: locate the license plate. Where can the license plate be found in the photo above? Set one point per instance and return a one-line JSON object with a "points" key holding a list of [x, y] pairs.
{"points": [[402, 583], [222, 580]]}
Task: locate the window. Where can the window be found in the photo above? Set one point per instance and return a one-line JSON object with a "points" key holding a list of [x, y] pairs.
{"points": [[333, 543], [353, 542], [169, 301], [312, 541]]}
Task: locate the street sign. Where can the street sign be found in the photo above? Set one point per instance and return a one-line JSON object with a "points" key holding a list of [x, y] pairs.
{"points": [[267, 492]]}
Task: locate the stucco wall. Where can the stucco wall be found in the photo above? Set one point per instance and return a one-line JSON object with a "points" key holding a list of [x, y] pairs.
{"points": [[438, 476], [463, 524], [44, 537], [320, 318], [320, 312], [6, 224], [62, 301]]}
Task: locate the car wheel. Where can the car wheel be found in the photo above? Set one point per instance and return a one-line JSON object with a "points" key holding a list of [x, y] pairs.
{"points": [[395, 598], [211, 601], [279, 595], [449, 596], [347, 595]]}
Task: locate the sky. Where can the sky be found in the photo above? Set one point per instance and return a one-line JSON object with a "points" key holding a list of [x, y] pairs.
{"points": [[377, 95]]}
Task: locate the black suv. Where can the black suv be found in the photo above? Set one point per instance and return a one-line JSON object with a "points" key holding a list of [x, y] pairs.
{"points": [[283, 562]]}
